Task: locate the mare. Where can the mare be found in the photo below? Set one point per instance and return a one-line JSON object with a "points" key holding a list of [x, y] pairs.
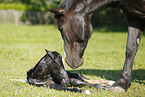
{"points": [[73, 18], [50, 72]]}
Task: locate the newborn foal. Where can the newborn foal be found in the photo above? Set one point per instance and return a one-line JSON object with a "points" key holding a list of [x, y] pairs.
{"points": [[50, 71]]}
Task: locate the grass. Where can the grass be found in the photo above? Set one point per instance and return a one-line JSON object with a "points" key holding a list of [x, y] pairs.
{"points": [[22, 46], [24, 7]]}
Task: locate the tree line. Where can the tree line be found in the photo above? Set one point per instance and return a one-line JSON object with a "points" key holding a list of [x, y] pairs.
{"points": [[33, 2]]}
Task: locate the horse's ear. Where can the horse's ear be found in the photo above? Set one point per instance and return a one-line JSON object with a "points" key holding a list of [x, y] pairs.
{"points": [[47, 51], [57, 11]]}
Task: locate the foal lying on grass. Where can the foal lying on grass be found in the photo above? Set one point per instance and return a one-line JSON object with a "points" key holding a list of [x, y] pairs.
{"points": [[50, 72]]}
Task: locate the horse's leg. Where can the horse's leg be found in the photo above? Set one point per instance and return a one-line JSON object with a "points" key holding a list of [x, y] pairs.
{"points": [[52, 84], [135, 30], [76, 82], [76, 76], [38, 82], [78, 79], [59, 87]]}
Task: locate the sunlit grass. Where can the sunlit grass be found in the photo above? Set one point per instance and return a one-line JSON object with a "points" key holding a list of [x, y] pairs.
{"points": [[22, 46]]}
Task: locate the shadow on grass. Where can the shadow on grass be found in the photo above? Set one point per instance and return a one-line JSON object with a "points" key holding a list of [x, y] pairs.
{"points": [[137, 75], [111, 28]]}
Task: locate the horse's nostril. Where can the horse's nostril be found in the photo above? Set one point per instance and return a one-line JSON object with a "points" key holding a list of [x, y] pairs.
{"points": [[74, 62]]}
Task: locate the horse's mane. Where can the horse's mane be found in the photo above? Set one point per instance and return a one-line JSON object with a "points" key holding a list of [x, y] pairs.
{"points": [[67, 4]]}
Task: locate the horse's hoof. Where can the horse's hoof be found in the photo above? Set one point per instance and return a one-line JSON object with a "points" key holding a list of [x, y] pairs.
{"points": [[117, 89]]}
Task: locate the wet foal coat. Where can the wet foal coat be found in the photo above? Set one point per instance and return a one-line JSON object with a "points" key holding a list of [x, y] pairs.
{"points": [[73, 20], [50, 72]]}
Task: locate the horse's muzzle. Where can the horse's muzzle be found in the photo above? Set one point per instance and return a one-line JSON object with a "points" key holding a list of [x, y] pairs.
{"points": [[74, 62]]}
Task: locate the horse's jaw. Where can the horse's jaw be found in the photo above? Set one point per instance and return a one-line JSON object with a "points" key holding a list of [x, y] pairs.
{"points": [[74, 53]]}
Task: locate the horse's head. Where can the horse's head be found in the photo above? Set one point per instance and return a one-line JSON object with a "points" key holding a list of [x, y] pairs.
{"points": [[76, 29]]}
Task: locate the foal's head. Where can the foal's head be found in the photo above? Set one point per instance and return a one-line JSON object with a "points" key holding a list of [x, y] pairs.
{"points": [[50, 64], [76, 29]]}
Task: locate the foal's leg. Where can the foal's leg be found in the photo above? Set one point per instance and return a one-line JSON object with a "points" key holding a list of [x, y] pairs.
{"points": [[52, 84], [59, 87], [38, 82], [78, 79], [76, 76], [135, 31], [76, 82]]}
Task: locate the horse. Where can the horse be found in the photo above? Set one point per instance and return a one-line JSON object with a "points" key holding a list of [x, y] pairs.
{"points": [[73, 18], [50, 72]]}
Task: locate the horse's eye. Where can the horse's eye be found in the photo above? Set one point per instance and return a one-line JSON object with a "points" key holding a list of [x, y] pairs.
{"points": [[58, 16]]}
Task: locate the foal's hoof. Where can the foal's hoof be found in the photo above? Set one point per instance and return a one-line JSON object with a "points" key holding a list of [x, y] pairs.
{"points": [[85, 92], [118, 89]]}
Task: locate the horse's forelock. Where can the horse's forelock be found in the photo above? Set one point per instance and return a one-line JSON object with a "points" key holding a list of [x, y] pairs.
{"points": [[67, 4]]}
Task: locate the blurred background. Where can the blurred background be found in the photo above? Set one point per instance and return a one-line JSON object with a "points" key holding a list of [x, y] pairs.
{"points": [[32, 12]]}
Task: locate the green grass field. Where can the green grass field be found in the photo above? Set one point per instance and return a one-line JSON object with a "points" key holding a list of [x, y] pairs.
{"points": [[22, 46]]}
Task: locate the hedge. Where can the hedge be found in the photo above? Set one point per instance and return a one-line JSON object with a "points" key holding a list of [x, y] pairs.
{"points": [[24, 7]]}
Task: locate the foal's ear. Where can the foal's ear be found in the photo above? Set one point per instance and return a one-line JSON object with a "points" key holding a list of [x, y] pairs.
{"points": [[57, 11], [47, 51]]}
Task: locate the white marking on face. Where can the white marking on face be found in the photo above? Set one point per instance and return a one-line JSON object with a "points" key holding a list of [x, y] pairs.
{"points": [[79, 7], [63, 49], [63, 62], [81, 20]]}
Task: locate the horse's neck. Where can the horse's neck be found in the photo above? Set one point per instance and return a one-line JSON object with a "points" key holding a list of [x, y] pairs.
{"points": [[96, 4]]}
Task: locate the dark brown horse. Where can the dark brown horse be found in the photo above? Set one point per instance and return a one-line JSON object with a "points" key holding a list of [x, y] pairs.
{"points": [[73, 20]]}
